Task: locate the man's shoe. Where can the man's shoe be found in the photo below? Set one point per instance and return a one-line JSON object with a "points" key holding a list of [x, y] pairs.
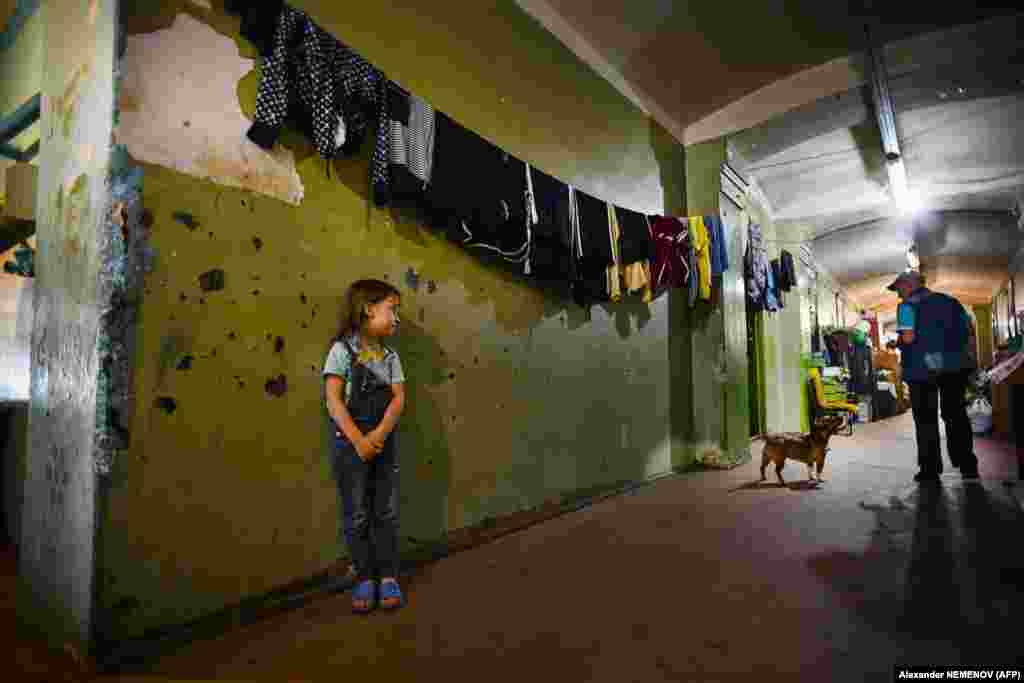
{"points": [[923, 477]]}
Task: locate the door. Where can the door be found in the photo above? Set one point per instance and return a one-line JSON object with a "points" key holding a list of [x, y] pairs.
{"points": [[755, 363]]}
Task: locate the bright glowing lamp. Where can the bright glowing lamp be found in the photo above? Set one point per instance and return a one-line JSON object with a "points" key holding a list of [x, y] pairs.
{"points": [[910, 202]]}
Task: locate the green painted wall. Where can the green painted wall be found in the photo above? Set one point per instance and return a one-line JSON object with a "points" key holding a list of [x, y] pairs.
{"points": [[58, 519], [516, 395]]}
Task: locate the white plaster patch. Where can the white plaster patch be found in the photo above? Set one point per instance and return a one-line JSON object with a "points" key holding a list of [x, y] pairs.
{"points": [[179, 109]]}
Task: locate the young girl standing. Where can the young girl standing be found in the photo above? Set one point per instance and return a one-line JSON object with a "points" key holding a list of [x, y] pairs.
{"points": [[365, 395]]}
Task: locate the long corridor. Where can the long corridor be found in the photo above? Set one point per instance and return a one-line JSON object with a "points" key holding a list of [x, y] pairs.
{"points": [[690, 578]]}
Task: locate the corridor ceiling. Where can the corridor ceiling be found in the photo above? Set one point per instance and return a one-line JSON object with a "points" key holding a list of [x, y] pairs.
{"points": [[787, 82]]}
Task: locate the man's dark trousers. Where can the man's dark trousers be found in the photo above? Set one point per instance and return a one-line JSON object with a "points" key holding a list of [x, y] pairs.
{"points": [[948, 389]]}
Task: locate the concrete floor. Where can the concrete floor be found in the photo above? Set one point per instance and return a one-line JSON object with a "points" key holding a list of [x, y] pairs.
{"points": [[690, 578]]}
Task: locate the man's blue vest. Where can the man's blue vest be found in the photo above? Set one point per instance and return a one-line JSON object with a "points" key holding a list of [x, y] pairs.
{"points": [[941, 334]]}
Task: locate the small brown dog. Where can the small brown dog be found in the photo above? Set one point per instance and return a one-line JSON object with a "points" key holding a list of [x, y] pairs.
{"points": [[809, 449]]}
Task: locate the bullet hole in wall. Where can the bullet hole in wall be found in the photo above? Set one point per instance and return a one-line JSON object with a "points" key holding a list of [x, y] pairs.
{"points": [[431, 286], [186, 219], [476, 360], [147, 218], [302, 276], [232, 336], [255, 292], [240, 382], [213, 353], [167, 404], [182, 298], [305, 326], [277, 386], [211, 235], [243, 202], [257, 242], [269, 336], [412, 279], [202, 300], [186, 362], [212, 280], [451, 375], [187, 124], [279, 345], [302, 298]]}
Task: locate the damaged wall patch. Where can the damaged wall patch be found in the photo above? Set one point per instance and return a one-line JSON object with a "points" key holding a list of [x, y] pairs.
{"points": [[214, 145]]}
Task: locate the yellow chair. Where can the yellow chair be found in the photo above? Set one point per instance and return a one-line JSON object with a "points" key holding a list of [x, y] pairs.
{"points": [[823, 406]]}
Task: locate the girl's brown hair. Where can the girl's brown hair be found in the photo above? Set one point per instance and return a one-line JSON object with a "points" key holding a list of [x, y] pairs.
{"points": [[361, 294]]}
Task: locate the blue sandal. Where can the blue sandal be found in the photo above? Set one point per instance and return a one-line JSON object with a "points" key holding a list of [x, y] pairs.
{"points": [[389, 590], [364, 591]]}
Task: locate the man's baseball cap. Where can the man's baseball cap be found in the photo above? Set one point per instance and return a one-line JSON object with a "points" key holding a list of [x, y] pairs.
{"points": [[910, 277]]}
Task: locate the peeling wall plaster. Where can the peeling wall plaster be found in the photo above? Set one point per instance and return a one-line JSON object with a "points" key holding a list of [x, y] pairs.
{"points": [[184, 113]]}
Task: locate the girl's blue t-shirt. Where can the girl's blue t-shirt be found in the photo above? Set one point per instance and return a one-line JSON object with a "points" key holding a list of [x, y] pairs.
{"points": [[905, 316]]}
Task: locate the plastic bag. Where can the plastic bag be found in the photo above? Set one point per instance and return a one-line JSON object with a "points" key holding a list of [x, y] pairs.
{"points": [[979, 412]]}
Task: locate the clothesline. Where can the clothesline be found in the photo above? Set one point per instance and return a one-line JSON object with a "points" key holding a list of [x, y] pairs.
{"points": [[480, 196]]}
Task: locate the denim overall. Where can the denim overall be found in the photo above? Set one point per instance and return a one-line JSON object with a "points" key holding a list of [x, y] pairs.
{"points": [[368, 490]]}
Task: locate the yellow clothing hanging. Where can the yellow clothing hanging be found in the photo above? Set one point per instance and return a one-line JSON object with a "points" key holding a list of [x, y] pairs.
{"points": [[701, 248]]}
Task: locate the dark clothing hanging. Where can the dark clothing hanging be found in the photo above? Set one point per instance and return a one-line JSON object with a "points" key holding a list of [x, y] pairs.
{"points": [[862, 371], [477, 192], [789, 279], [671, 244], [596, 238], [312, 78], [258, 21], [777, 279], [404, 155], [634, 236], [550, 250], [756, 270]]}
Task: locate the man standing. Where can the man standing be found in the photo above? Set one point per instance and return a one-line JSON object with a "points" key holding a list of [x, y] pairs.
{"points": [[935, 332]]}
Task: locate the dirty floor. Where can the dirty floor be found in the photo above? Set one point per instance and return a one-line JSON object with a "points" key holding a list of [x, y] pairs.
{"points": [[691, 579]]}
